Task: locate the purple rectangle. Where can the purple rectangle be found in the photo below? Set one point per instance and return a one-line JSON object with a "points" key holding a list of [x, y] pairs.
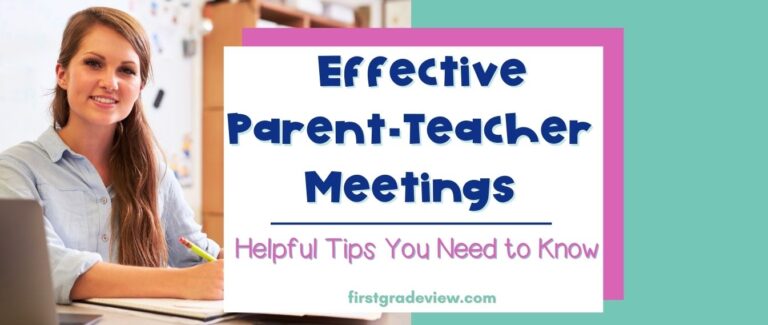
{"points": [[610, 39]]}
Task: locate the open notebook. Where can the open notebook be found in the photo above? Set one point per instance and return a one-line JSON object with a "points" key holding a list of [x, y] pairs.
{"points": [[204, 310]]}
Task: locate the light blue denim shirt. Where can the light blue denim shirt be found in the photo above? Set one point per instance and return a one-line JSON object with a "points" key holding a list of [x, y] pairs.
{"points": [[77, 208]]}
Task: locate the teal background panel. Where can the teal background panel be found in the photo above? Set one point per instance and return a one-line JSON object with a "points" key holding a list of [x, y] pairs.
{"points": [[696, 154]]}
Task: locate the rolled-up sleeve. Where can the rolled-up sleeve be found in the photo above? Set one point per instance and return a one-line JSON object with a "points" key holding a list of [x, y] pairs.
{"points": [[179, 220], [66, 264]]}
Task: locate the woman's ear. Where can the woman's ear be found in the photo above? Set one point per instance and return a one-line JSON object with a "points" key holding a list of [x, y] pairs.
{"points": [[61, 76]]}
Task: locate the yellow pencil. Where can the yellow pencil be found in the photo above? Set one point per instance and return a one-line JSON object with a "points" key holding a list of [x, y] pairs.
{"points": [[197, 250]]}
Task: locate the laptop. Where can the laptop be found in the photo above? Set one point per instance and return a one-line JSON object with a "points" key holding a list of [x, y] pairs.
{"points": [[27, 295]]}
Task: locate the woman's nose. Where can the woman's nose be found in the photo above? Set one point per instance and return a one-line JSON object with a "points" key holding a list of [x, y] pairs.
{"points": [[108, 81]]}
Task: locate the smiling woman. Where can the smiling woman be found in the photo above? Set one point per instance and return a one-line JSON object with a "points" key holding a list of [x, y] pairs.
{"points": [[96, 74], [112, 211], [102, 83]]}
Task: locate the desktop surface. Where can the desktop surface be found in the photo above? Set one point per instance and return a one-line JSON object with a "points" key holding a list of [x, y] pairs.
{"points": [[118, 316]]}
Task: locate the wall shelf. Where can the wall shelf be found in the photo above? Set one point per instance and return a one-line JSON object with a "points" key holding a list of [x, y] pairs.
{"points": [[229, 18]]}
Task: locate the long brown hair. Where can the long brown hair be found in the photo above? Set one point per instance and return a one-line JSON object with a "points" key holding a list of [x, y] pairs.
{"points": [[136, 224]]}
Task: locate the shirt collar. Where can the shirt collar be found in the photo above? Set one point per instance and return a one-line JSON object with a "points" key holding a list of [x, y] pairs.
{"points": [[53, 145]]}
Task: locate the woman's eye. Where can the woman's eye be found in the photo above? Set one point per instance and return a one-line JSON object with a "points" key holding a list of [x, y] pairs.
{"points": [[128, 71], [93, 63]]}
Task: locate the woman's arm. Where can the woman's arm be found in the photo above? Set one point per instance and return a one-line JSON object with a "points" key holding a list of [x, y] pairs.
{"points": [[104, 280], [179, 221]]}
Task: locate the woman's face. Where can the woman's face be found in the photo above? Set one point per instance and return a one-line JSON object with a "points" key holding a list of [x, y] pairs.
{"points": [[102, 80]]}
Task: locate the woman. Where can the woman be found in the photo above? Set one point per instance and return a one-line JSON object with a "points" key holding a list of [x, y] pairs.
{"points": [[113, 213]]}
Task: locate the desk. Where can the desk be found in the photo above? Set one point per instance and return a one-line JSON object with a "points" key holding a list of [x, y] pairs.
{"points": [[118, 316]]}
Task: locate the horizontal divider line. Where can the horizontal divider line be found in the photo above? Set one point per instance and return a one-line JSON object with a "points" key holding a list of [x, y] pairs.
{"points": [[411, 223]]}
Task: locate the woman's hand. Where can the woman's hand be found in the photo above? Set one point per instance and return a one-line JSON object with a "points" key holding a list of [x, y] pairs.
{"points": [[105, 280], [203, 281]]}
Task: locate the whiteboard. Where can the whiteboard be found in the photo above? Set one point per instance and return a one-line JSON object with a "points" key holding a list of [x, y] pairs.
{"points": [[31, 37]]}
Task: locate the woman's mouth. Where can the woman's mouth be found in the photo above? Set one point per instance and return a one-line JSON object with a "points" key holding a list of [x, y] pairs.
{"points": [[105, 102]]}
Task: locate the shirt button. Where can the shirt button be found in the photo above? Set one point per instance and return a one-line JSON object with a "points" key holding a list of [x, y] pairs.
{"points": [[104, 238], [103, 200]]}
